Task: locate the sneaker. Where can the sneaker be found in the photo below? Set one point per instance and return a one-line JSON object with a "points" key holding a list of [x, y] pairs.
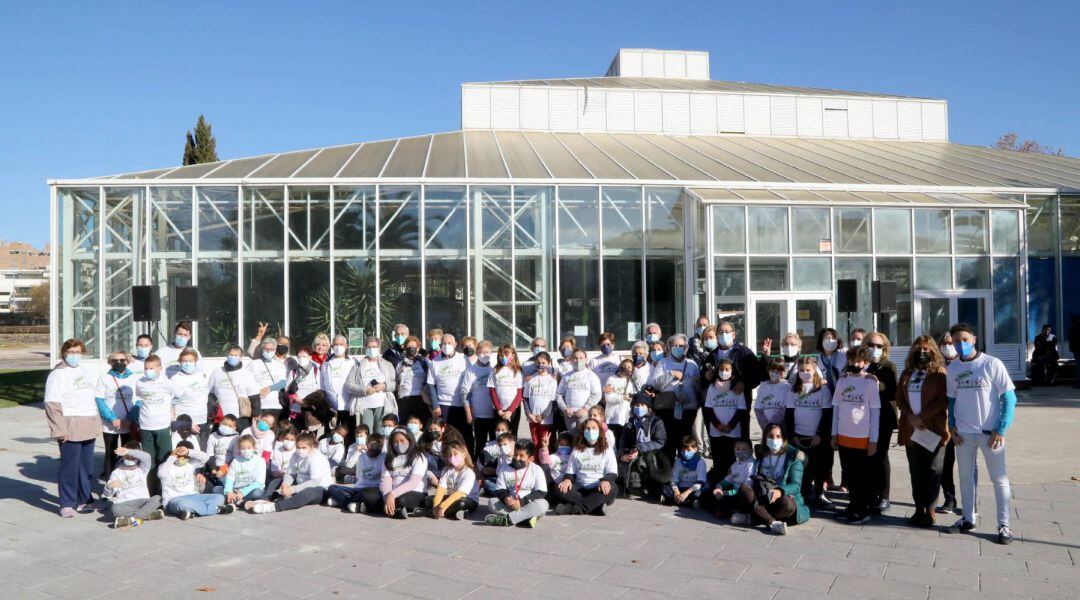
{"points": [[602, 510], [122, 522], [184, 515], [884, 506], [263, 508], [333, 503], [67, 512], [532, 522], [498, 520], [740, 519], [1005, 536], [664, 501], [157, 515], [419, 511], [824, 503], [948, 506], [350, 479], [363, 508], [402, 513], [226, 509], [778, 528], [697, 505], [84, 509], [561, 509], [352, 507], [859, 518], [961, 526], [455, 515]]}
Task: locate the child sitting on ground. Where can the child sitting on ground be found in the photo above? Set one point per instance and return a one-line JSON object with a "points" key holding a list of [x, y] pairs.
{"points": [[182, 429], [130, 500], [345, 472], [722, 501], [306, 479], [688, 476], [333, 447], [181, 484], [458, 492], [521, 490], [221, 442], [363, 496], [490, 469], [246, 476]]}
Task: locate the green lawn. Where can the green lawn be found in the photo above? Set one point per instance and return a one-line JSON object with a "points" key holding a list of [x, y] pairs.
{"points": [[20, 386]]}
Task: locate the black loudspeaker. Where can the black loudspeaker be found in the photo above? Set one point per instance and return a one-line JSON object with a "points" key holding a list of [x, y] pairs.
{"points": [[884, 296], [847, 296], [186, 303], [145, 303]]}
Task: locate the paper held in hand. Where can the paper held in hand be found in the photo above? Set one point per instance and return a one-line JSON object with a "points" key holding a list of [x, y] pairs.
{"points": [[926, 438]]}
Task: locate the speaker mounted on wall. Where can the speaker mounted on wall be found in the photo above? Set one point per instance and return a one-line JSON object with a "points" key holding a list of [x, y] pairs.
{"points": [[145, 303], [847, 296], [186, 303]]}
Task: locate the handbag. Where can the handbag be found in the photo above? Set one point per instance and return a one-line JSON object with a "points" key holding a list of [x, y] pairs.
{"points": [[763, 487], [246, 406], [133, 424]]}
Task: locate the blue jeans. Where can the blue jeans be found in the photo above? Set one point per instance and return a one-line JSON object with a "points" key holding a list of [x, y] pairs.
{"points": [[76, 468], [200, 504], [255, 494]]}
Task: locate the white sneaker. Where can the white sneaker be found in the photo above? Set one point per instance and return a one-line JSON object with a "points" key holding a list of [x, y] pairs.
{"points": [[778, 528], [352, 507], [264, 508], [331, 502], [740, 519]]}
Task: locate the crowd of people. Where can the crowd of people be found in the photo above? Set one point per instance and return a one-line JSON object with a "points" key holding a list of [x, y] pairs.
{"points": [[431, 426]]}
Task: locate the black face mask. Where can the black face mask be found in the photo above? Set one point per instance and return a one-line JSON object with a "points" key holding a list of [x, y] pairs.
{"points": [[469, 351], [282, 349], [923, 357], [517, 463], [853, 369], [411, 351], [118, 365]]}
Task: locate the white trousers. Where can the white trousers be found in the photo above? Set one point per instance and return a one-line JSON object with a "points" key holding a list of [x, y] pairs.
{"points": [[995, 464]]}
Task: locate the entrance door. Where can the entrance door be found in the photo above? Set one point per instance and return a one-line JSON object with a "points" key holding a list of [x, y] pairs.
{"points": [[773, 315], [936, 313]]}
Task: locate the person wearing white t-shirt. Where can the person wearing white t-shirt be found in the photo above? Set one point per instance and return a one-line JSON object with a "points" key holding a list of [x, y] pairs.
{"points": [[191, 390], [144, 346], [607, 362], [588, 482], [521, 489], [305, 482], [770, 397], [334, 372], [725, 406], [115, 395], [982, 402], [618, 392], [169, 354], [153, 401], [269, 372], [505, 386], [856, 410], [808, 420], [458, 491], [231, 382], [578, 391], [477, 399], [444, 381], [402, 481]]}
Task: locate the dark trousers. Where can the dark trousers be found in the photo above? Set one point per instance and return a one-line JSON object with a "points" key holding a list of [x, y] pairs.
{"points": [[948, 465], [515, 420], [158, 444], [671, 427], [305, 497], [723, 454], [484, 431], [745, 501], [925, 467], [819, 460], [881, 470], [204, 434], [410, 500], [344, 416], [76, 471], [465, 505], [243, 423], [370, 497], [455, 417], [112, 442], [409, 406], [586, 501], [859, 469]]}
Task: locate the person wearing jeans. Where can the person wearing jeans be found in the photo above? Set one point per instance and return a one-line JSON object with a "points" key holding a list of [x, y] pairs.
{"points": [[72, 413]]}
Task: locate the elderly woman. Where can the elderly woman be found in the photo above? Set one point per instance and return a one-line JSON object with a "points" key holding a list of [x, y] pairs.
{"points": [[74, 422], [371, 386], [924, 406], [885, 372]]}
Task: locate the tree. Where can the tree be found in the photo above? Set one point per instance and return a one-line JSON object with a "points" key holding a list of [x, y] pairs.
{"points": [[201, 147], [1011, 141], [37, 308]]}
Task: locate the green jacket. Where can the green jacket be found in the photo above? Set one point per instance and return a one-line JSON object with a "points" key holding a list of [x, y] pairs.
{"points": [[793, 475]]}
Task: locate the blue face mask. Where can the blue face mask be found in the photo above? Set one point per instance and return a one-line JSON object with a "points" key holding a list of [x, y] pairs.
{"points": [[591, 435], [564, 451], [435, 344], [689, 454], [142, 352], [964, 349], [268, 355], [400, 339], [187, 367], [412, 427], [151, 374], [652, 337], [337, 438], [232, 361], [699, 330], [73, 360], [607, 349], [641, 411], [504, 360], [181, 341], [639, 360], [727, 339], [386, 430], [566, 352], [263, 426], [774, 444], [678, 352], [656, 355]]}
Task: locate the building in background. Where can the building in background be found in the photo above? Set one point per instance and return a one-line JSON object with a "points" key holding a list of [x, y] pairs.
{"points": [[567, 207], [22, 268]]}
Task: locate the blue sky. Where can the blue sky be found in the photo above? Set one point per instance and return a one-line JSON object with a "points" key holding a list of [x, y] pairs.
{"points": [[95, 88]]}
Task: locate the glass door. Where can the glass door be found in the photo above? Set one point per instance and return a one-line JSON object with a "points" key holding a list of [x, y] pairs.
{"points": [[774, 315], [936, 313]]}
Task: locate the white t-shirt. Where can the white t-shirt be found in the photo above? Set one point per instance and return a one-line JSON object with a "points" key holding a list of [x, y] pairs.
{"points": [[808, 406], [604, 367], [75, 389], [771, 399], [403, 471], [588, 467], [412, 376], [617, 401], [852, 402], [264, 444], [463, 481], [579, 389], [914, 390], [507, 383], [446, 376], [475, 383], [740, 472], [179, 480], [333, 373], [189, 393], [335, 453], [155, 397], [521, 482], [724, 404], [977, 386], [268, 373], [220, 447], [540, 392], [170, 359], [193, 438], [132, 482], [225, 385], [119, 395], [306, 383], [371, 370]]}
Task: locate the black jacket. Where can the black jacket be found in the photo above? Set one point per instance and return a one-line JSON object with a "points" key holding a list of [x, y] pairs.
{"points": [[628, 438], [745, 367], [885, 372]]}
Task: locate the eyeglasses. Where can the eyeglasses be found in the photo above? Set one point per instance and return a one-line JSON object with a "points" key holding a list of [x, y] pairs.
{"points": [[882, 346]]}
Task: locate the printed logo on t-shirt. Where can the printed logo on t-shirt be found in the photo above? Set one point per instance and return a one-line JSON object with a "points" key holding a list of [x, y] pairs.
{"points": [[966, 380], [448, 368], [807, 401], [767, 400], [852, 395], [577, 383], [726, 399]]}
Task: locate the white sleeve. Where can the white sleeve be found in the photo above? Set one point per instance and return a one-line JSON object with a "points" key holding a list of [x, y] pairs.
{"points": [[611, 466]]}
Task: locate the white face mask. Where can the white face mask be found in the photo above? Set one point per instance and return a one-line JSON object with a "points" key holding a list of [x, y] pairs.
{"points": [[724, 375], [948, 351], [304, 361], [448, 349], [789, 350], [806, 376], [775, 376], [372, 352], [339, 350], [856, 343], [727, 338], [288, 444], [828, 344]]}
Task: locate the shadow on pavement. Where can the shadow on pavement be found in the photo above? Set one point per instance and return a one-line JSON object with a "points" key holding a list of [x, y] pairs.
{"points": [[29, 492]]}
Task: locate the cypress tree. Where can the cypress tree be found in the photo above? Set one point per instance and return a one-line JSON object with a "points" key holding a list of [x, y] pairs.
{"points": [[200, 147]]}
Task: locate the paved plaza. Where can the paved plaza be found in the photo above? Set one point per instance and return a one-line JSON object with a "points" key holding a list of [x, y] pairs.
{"points": [[640, 550]]}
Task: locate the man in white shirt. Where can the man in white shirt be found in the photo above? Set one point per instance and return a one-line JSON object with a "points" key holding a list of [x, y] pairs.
{"points": [[170, 353], [445, 377]]}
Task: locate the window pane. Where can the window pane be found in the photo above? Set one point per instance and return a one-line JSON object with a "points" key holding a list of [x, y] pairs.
{"points": [[167, 275], [399, 218], [664, 270], [898, 326], [309, 297], [729, 229], [531, 206], [729, 278], [579, 302], [447, 295], [859, 270], [1006, 231], [355, 301], [1070, 224], [578, 217], [444, 218], [932, 229], [309, 218], [354, 226], [892, 231], [622, 219], [852, 226], [399, 295], [218, 215], [808, 227], [123, 211], [218, 301], [530, 320], [768, 274], [170, 219], [812, 274], [973, 273], [622, 290], [734, 312], [264, 220], [971, 232], [768, 230], [933, 274], [78, 275], [1006, 301], [1042, 295], [1041, 236], [264, 280], [622, 222]]}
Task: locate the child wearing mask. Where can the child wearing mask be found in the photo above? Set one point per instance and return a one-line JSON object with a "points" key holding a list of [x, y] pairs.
{"points": [[588, 483], [505, 386], [181, 485], [504, 445], [597, 412], [809, 421], [856, 411], [346, 470], [284, 449], [183, 430], [457, 493], [521, 490], [566, 355], [643, 466], [306, 479], [333, 447], [246, 476], [153, 403], [688, 476], [263, 432], [130, 502], [770, 401], [725, 406], [191, 388], [474, 387], [539, 393], [554, 464], [617, 393], [387, 426], [402, 480], [363, 496], [222, 441], [415, 427], [724, 501], [607, 363], [579, 389]]}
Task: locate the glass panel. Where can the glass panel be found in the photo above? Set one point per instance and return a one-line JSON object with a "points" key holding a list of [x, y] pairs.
{"points": [[810, 318], [1070, 290], [809, 226], [170, 219], [898, 326], [1042, 296], [622, 220], [447, 295], [79, 226], [812, 274], [218, 214], [892, 231], [354, 225], [1006, 301], [309, 297], [1006, 231], [531, 215], [768, 230], [1070, 224], [932, 229], [970, 231], [973, 273], [264, 220], [218, 303], [770, 318], [768, 274], [168, 274], [122, 245], [578, 217], [859, 270], [664, 265], [973, 312], [264, 302], [852, 227], [445, 218], [730, 277], [309, 219], [354, 299], [1041, 231], [579, 303], [729, 229], [529, 320], [399, 296], [399, 218], [934, 319], [734, 312], [933, 274]]}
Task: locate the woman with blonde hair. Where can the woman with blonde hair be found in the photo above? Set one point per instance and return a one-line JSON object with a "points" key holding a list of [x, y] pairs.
{"points": [[885, 372], [924, 406]]}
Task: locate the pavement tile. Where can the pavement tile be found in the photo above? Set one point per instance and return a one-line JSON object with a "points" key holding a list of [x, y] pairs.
{"points": [[568, 587], [433, 564], [866, 587], [1026, 586], [655, 580], [911, 556], [873, 569], [935, 577], [708, 587], [707, 567], [798, 579], [435, 587]]}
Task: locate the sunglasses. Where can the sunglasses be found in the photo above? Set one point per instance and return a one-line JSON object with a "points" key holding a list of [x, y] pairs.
{"points": [[882, 346]]}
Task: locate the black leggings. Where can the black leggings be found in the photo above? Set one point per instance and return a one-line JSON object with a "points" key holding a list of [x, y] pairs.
{"points": [[305, 497], [409, 500], [860, 478], [346, 418], [465, 505], [484, 429], [925, 469], [455, 417], [723, 454], [370, 497], [745, 501], [586, 501], [112, 442], [817, 467]]}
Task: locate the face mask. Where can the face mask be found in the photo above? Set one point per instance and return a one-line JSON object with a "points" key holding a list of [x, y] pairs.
{"points": [[180, 341], [742, 455], [566, 352], [639, 360], [434, 345], [828, 344], [262, 426], [436, 447], [282, 349], [542, 369], [247, 453], [699, 330], [304, 361], [413, 428], [288, 444], [923, 357], [503, 360], [361, 440], [579, 365], [790, 351], [517, 464], [710, 343], [877, 353], [142, 352], [386, 430], [948, 351], [303, 452], [225, 430], [641, 411], [486, 358], [401, 448], [652, 338], [150, 375], [119, 365], [623, 373], [656, 355], [678, 352], [724, 375], [964, 349], [457, 461], [854, 370], [399, 339], [130, 462], [606, 349], [537, 349], [806, 376], [469, 351], [506, 449], [774, 444], [232, 361], [339, 350], [181, 460], [856, 343], [775, 376], [591, 435], [727, 338], [187, 367], [337, 438], [412, 351], [689, 454], [448, 349], [73, 360], [372, 353], [564, 451]]}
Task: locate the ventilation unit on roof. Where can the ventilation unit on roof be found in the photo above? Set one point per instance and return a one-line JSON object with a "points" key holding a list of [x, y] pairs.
{"points": [[666, 64]]}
